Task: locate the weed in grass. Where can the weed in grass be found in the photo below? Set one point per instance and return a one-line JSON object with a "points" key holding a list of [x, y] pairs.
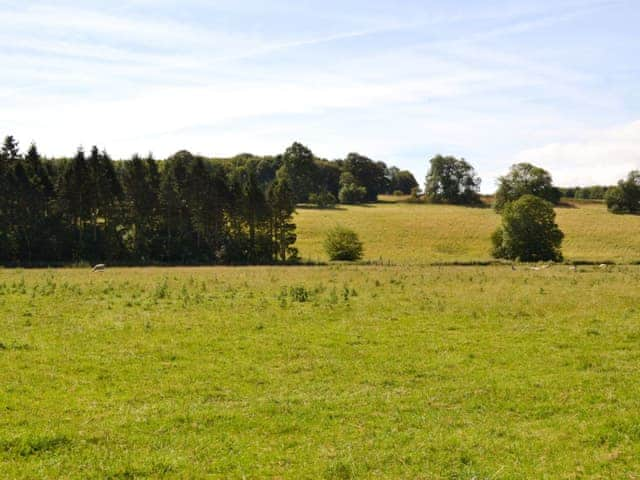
{"points": [[299, 294], [161, 290], [339, 471], [33, 445], [436, 372]]}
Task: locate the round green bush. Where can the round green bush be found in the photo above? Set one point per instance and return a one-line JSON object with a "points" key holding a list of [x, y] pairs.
{"points": [[528, 232], [343, 244], [352, 194]]}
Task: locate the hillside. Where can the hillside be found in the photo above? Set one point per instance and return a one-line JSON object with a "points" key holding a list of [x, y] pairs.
{"points": [[421, 234]]}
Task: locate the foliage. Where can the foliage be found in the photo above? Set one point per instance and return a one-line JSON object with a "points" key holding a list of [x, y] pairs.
{"points": [[401, 181], [528, 232], [185, 210], [343, 244], [282, 202], [365, 173], [323, 199], [350, 191], [299, 161], [525, 179], [595, 192], [625, 198], [452, 180], [327, 177]]}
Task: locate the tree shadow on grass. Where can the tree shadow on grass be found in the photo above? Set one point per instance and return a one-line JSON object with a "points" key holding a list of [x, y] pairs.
{"points": [[314, 207], [567, 205]]}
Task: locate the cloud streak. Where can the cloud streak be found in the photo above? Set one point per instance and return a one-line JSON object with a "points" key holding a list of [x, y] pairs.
{"points": [[520, 81]]}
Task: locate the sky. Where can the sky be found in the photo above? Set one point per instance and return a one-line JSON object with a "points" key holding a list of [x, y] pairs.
{"points": [[554, 83]]}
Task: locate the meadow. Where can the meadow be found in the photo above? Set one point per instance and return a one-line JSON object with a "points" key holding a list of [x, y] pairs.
{"points": [[422, 234], [322, 372]]}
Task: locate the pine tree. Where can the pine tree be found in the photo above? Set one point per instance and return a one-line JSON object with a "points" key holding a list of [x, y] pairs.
{"points": [[141, 205], [10, 152], [253, 207], [41, 194], [283, 204], [74, 191]]}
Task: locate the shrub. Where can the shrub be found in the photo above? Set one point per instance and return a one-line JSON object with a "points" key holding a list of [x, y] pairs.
{"points": [[528, 232], [352, 193], [343, 244], [323, 199], [625, 198]]}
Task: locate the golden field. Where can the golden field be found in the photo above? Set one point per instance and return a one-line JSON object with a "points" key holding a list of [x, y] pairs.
{"points": [[403, 233]]}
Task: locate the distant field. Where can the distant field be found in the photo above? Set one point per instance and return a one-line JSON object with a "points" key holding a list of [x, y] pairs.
{"points": [[328, 372], [423, 234]]}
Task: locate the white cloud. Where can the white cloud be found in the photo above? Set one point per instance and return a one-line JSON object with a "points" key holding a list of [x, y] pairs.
{"points": [[602, 157], [132, 76]]}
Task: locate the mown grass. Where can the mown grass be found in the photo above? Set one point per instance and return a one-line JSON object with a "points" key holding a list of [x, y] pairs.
{"points": [[424, 234], [333, 372]]}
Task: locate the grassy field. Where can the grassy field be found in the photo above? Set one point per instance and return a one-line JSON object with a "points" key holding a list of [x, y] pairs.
{"points": [[424, 234], [327, 372]]}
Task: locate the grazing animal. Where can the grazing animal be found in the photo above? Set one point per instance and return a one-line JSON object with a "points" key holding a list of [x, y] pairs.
{"points": [[101, 267], [543, 267], [513, 267], [604, 266]]}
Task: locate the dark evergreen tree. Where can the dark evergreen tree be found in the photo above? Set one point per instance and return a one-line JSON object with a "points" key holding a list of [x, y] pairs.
{"points": [[176, 216], [40, 195], [186, 209], [10, 152], [141, 181], [74, 193], [282, 202]]}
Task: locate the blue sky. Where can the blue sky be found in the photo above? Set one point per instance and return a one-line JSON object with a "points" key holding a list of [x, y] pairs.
{"points": [[494, 81]]}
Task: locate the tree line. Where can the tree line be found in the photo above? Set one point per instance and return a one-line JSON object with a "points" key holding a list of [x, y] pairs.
{"points": [[454, 181], [525, 198], [185, 209], [188, 209]]}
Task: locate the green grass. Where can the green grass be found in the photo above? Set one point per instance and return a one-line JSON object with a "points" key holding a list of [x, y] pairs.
{"points": [[422, 234], [333, 372]]}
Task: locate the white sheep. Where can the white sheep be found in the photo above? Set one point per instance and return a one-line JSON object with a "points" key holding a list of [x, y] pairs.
{"points": [[101, 267]]}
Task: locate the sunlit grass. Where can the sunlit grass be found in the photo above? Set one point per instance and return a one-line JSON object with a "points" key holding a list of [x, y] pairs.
{"points": [[424, 234], [327, 372]]}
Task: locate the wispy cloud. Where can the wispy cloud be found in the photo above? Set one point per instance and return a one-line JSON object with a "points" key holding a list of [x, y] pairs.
{"points": [[493, 82]]}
